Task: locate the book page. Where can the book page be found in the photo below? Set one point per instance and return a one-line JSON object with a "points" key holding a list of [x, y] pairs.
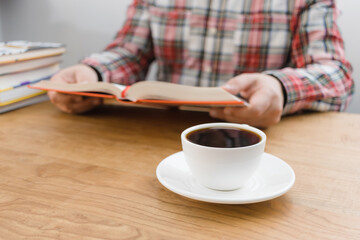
{"points": [[97, 87], [177, 92]]}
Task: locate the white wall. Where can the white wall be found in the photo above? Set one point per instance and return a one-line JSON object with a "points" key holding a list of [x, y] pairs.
{"points": [[1, 36], [86, 26], [348, 22]]}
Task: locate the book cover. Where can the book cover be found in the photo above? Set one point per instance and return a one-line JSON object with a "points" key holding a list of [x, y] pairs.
{"points": [[25, 102], [10, 81], [23, 66], [18, 95]]}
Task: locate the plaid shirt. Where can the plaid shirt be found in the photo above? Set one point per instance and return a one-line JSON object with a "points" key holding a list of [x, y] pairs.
{"points": [[207, 42]]}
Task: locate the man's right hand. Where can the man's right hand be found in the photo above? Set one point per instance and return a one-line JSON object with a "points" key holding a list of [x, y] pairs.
{"points": [[80, 73]]}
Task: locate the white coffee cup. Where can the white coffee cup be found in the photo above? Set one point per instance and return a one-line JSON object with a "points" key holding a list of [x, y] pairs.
{"points": [[221, 168]]}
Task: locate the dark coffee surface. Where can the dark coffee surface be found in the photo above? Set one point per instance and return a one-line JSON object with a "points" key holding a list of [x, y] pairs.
{"points": [[223, 137]]}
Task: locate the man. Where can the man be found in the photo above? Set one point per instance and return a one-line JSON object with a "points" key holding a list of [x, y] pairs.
{"points": [[282, 55]]}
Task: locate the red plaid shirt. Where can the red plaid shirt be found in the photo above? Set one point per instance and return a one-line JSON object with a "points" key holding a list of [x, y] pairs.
{"points": [[207, 42]]}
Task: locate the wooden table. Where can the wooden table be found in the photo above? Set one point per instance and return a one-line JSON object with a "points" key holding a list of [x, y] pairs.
{"points": [[93, 177]]}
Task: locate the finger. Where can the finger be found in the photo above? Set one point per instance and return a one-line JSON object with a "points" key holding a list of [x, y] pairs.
{"points": [[271, 116], [62, 77], [216, 112], [228, 116], [258, 105], [65, 99], [84, 106], [72, 103], [256, 122], [243, 84], [257, 113]]}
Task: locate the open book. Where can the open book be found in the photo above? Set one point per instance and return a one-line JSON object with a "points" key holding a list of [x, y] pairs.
{"points": [[148, 92]]}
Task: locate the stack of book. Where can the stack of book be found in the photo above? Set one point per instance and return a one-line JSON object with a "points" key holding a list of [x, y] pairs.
{"points": [[23, 63]]}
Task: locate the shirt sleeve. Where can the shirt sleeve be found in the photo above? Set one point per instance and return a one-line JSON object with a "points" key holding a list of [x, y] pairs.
{"points": [[319, 76], [127, 59]]}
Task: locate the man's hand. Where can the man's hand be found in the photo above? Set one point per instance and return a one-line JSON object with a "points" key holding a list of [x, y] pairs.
{"points": [[71, 103], [265, 97]]}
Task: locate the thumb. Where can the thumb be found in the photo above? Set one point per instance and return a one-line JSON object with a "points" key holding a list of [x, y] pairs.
{"points": [[240, 84], [231, 88]]}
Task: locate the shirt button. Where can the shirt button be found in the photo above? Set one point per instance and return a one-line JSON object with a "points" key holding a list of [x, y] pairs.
{"points": [[212, 31]]}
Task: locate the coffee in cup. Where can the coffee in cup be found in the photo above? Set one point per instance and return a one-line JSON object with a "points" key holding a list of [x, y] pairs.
{"points": [[223, 137], [223, 156]]}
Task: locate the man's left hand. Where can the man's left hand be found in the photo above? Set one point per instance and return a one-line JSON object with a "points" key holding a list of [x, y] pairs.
{"points": [[264, 94]]}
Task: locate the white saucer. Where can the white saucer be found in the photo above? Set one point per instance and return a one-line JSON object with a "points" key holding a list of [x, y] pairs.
{"points": [[273, 178]]}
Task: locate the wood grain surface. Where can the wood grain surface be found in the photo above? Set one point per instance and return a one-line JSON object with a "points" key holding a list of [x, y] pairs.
{"points": [[93, 176]]}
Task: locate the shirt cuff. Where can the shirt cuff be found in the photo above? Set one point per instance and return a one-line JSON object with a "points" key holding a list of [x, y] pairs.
{"points": [[290, 98], [97, 73], [102, 71]]}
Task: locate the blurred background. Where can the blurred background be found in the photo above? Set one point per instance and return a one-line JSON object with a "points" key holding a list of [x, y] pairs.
{"points": [[87, 26]]}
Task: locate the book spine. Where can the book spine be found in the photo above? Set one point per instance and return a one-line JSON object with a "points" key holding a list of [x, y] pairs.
{"points": [[25, 83], [21, 98]]}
